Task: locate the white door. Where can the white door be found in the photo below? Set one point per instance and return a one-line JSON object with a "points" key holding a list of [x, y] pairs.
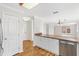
{"points": [[29, 29], [10, 34]]}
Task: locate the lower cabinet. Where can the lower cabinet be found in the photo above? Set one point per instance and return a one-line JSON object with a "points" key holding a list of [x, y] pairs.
{"points": [[53, 46], [47, 44], [59, 47]]}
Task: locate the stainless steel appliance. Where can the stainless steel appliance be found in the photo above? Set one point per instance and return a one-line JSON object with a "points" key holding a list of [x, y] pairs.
{"points": [[67, 48]]}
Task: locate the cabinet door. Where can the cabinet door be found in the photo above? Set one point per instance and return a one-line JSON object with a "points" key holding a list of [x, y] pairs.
{"points": [[48, 44], [53, 45], [44, 43], [36, 40], [10, 33]]}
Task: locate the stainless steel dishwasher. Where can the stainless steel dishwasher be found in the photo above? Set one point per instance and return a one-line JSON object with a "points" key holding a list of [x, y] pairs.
{"points": [[67, 48]]}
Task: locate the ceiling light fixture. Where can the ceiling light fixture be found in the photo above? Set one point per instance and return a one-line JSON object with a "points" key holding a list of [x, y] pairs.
{"points": [[28, 5], [26, 18]]}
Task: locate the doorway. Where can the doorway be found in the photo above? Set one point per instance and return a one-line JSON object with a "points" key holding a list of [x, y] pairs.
{"points": [[28, 28]]}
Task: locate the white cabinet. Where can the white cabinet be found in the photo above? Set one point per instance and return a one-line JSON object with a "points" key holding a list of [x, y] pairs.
{"points": [[47, 44], [37, 40], [53, 45], [43, 43]]}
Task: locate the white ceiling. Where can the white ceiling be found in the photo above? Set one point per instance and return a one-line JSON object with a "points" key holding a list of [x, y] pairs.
{"points": [[47, 9], [44, 9]]}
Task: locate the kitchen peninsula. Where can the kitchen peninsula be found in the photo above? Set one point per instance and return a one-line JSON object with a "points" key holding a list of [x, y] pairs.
{"points": [[60, 45]]}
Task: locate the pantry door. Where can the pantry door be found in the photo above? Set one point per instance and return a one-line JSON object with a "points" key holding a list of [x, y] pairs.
{"points": [[10, 35]]}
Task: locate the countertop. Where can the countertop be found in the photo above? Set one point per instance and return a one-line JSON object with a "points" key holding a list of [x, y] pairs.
{"points": [[58, 37]]}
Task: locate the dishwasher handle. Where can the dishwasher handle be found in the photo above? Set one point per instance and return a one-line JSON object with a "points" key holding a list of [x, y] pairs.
{"points": [[67, 42]]}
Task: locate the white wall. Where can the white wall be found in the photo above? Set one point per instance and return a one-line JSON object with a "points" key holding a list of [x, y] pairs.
{"points": [[38, 24]]}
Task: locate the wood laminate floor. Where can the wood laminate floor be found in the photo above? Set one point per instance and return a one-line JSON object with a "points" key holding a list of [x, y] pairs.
{"points": [[30, 50]]}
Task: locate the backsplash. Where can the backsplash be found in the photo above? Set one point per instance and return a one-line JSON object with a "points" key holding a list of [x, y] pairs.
{"points": [[69, 29], [66, 29]]}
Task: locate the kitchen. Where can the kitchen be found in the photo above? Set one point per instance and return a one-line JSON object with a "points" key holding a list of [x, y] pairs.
{"points": [[53, 27], [59, 32], [63, 45]]}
